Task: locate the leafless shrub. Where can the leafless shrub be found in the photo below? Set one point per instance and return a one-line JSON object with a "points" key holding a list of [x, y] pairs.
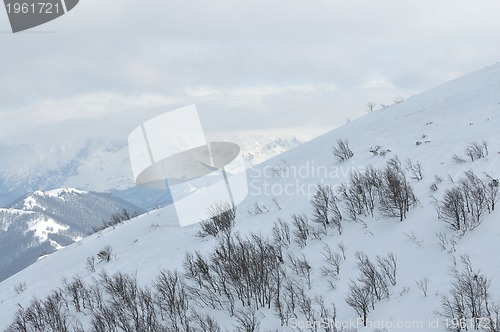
{"points": [[301, 229], [375, 150], [477, 150], [492, 191], [360, 298], [317, 232], [342, 151], [371, 277], [77, 291], [105, 254], [464, 204], [334, 261], [247, 320], [221, 219], [458, 160], [332, 268], [20, 287], [326, 211], [204, 323], [50, 314], [281, 233], [360, 195], [116, 219], [446, 242], [423, 284], [469, 297], [395, 194], [301, 267], [276, 203], [413, 238], [172, 298], [388, 267], [90, 264], [415, 170]]}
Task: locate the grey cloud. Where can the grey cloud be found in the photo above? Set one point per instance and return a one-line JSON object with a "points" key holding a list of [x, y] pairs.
{"points": [[241, 61]]}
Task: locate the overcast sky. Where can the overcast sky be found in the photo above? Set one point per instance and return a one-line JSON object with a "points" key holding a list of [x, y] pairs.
{"points": [[249, 65]]}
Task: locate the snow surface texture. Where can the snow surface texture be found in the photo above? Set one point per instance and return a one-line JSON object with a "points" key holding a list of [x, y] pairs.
{"points": [[448, 117]]}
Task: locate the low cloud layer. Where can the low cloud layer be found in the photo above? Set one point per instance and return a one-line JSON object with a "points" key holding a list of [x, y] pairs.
{"points": [[248, 65]]}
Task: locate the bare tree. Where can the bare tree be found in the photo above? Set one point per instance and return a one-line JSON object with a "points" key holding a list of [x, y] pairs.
{"points": [[247, 321], [172, 298], [281, 233], [360, 299], [301, 267], [469, 297], [301, 231], [371, 277], [415, 170], [204, 323], [388, 266], [326, 211], [492, 191], [334, 261], [395, 194]]}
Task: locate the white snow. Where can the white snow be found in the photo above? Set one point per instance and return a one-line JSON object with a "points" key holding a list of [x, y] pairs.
{"points": [[45, 226], [450, 116], [60, 192]]}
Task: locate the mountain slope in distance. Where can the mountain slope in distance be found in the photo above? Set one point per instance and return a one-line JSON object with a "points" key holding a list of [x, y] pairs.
{"points": [[42, 222], [429, 128]]}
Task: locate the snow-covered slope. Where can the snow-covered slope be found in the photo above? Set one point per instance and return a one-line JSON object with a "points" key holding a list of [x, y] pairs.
{"points": [[43, 222], [100, 165], [428, 128]]}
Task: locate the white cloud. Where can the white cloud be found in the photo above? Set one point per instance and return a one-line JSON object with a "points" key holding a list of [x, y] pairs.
{"points": [[248, 64]]}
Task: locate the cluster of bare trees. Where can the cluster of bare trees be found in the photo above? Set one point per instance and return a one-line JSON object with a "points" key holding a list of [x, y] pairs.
{"points": [[239, 272], [116, 219], [361, 193], [464, 205], [373, 283], [396, 194], [388, 187], [239, 276], [244, 270], [468, 304]]}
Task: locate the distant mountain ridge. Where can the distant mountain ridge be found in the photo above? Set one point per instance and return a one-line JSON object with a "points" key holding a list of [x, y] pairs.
{"points": [[102, 166], [43, 222]]}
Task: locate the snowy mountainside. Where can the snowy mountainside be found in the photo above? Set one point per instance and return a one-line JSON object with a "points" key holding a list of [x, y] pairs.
{"points": [[100, 165], [429, 128], [43, 222]]}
